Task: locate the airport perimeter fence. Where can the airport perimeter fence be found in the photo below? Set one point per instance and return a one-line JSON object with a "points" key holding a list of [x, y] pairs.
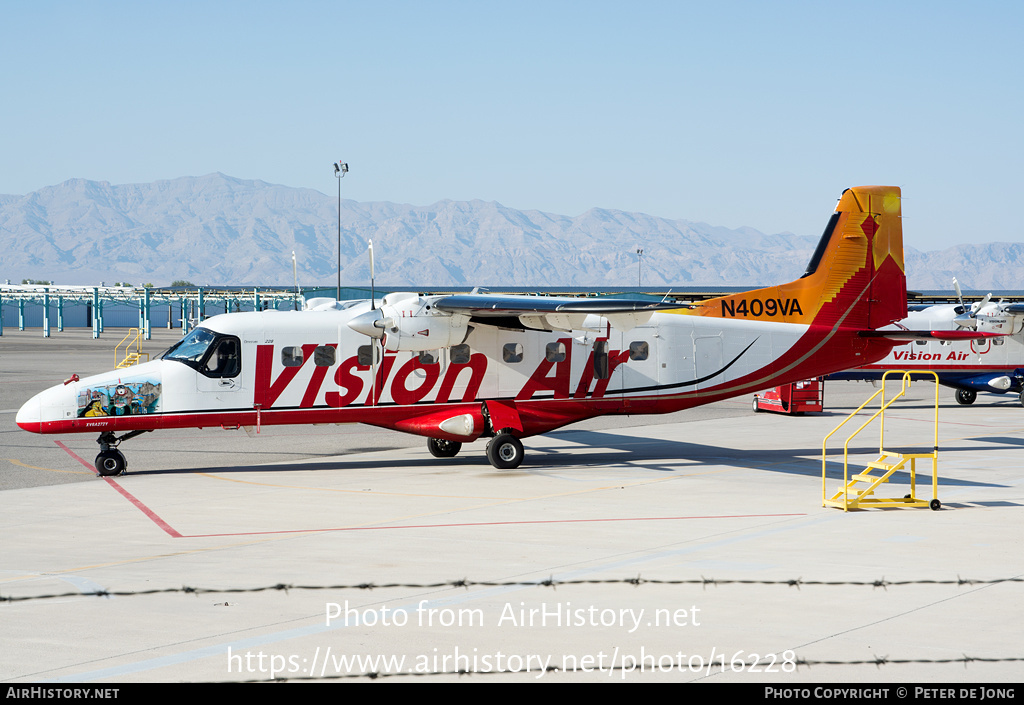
{"points": [[57, 307], [52, 308]]}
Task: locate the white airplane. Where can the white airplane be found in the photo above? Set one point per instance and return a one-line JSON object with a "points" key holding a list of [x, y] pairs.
{"points": [[457, 368], [969, 365]]}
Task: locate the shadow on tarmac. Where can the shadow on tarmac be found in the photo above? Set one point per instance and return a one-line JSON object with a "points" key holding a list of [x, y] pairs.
{"points": [[666, 456]]}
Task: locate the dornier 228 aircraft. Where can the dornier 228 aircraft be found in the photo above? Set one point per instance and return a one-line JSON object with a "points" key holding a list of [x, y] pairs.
{"points": [[456, 368], [968, 365]]}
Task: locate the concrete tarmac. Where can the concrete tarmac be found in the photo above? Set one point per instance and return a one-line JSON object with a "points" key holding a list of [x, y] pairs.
{"points": [[685, 547]]}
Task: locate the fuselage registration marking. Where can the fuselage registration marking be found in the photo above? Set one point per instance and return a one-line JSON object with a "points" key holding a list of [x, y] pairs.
{"points": [[731, 308]]}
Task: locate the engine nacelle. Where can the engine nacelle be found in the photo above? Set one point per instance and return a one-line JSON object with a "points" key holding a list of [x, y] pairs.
{"points": [[994, 324], [410, 322], [992, 318]]}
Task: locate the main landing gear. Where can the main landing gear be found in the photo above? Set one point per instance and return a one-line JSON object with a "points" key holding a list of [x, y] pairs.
{"points": [[504, 451], [966, 396], [111, 462], [440, 448]]}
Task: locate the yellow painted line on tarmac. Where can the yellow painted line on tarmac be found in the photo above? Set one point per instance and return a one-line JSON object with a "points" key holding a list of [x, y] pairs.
{"points": [[140, 559], [494, 501], [34, 467], [328, 489], [497, 501]]}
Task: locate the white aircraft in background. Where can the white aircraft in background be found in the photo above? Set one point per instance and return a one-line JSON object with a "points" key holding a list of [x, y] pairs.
{"points": [[970, 365], [457, 368]]}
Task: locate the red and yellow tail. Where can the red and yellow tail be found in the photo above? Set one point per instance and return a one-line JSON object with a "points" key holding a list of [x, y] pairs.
{"points": [[855, 278]]}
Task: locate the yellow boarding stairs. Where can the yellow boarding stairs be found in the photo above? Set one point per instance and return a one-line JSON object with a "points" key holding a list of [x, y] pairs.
{"points": [[849, 496], [131, 357]]}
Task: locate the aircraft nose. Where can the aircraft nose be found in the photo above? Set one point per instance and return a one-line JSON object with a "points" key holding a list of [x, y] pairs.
{"points": [[40, 412], [30, 415], [366, 323]]}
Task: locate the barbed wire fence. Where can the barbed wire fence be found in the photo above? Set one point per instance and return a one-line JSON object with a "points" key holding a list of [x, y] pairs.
{"points": [[637, 581], [605, 671], [709, 667]]}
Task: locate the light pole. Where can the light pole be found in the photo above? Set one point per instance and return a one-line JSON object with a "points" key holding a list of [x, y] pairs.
{"points": [[295, 274], [340, 169], [639, 259]]}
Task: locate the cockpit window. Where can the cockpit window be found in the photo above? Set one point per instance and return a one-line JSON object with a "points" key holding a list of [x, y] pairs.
{"points": [[192, 347], [213, 355], [223, 360]]}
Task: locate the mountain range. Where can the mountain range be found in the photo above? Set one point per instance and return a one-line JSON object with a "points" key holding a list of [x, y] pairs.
{"points": [[220, 230]]}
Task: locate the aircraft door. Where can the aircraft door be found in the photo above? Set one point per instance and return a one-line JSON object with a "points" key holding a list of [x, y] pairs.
{"points": [[516, 360], [708, 360], [638, 355], [220, 370]]}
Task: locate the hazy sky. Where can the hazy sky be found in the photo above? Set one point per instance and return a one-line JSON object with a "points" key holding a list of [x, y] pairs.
{"points": [[732, 113]]}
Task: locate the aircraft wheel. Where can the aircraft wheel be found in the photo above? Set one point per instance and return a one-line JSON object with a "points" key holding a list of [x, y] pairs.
{"points": [[505, 451], [110, 463], [440, 448], [967, 396]]}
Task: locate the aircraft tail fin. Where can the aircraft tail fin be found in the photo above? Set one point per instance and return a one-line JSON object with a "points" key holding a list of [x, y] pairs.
{"points": [[855, 278]]}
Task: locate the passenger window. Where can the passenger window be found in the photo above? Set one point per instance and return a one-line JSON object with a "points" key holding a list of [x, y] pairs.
{"points": [[460, 354], [291, 357], [323, 356], [601, 370], [512, 352], [555, 352], [638, 350], [365, 355]]}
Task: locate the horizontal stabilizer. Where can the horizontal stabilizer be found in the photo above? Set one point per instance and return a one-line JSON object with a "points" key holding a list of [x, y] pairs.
{"points": [[910, 335]]}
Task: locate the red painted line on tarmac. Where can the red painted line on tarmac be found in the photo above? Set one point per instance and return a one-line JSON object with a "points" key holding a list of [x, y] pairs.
{"points": [[126, 494], [491, 523], [144, 509], [76, 456]]}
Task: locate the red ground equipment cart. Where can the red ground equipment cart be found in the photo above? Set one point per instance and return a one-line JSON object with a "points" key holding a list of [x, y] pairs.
{"points": [[793, 398]]}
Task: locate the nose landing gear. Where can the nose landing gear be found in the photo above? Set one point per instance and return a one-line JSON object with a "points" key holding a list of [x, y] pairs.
{"points": [[111, 462]]}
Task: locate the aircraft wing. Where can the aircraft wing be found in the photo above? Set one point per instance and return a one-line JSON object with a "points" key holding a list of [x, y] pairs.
{"points": [[494, 305], [550, 313]]}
